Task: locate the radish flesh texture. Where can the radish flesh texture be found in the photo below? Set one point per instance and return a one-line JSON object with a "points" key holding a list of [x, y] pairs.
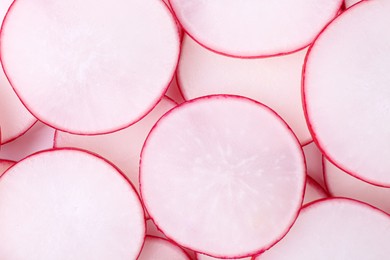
{"points": [[5, 165], [313, 158], [254, 28], [313, 191], [275, 82], [222, 175], [95, 60], [161, 249], [336, 229], [342, 184], [68, 204], [346, 86]]}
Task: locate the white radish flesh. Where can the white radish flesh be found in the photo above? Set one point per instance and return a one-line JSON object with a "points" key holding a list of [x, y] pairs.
{"points": [[313, 191], [68, 204], [161, 249], [313, 158], [5, 165], [222, 175]]}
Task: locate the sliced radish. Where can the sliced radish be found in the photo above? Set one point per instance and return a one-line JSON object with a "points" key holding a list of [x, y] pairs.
{"points": [[342, 184], [276, 82], [313, 158], [346, 86], [5, 165], [174, 92], [313, 191], [152, 230], [68, 204], [254, 28], [349, 3], [223, 176], [39, 137], [123, 148], [339, 229], [206, 257], [89, 66], [161, 249]]}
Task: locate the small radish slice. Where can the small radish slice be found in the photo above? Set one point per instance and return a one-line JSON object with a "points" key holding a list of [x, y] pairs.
{"points": [[123, 148], [313, 158], [96, 58], [68, 204], [5, 165], [349, 3], [39, 137], [222, 175], [276, 81], [206, 257], [174, 92], [342, 184], [254, 28], [337, 229], [346, 86], [313, 191], [161, 249]]}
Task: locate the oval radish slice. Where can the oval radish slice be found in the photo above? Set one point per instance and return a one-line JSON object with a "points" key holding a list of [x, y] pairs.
{"points": [[5, 165], [222, 175], [161, 249], [313, 191], [342, 184], [335, 229], [206, 257], [313, 158], [123, 148], [346, 86], [254, 28], [276, 82], [85, 67], [68, 204]]}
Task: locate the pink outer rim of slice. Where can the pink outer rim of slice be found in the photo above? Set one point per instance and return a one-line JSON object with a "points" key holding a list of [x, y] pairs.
{"points": [[259, 54], [5, 165], [305, 99], [149, 238], [111, 126], [109, 164], [190, 246]]}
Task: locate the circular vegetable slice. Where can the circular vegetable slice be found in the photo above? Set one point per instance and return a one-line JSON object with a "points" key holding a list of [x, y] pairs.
{"points": [[335, 229], [162, 249], [222, 175], [89, 67], [254, 28], [346, 86], [68, 204]]}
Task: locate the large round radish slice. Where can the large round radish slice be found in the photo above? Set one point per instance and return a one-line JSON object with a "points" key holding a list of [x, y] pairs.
{"points": [[254, 28], [313, 191], [161, 249], [222, 175], [342, 184], [275, 82], [338, 229], [346, 86], [5, 165], [90, 66], [68, 204]]}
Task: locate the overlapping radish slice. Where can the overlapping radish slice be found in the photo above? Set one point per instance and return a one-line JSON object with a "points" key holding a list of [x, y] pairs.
{"points": [[174, 92], [206, 257], [346, 86], [68, 204], [313, 191], [342, 184], [222, 175], [5, 165], [337, 229], [276, 81], [123, 148], [254, 28], [349, 3], [152, 230], [313, 158], [161, 249], [85, 67]]}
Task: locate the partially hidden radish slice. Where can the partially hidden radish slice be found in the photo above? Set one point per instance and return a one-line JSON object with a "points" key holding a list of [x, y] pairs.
{"points": [[174, 92], [85, 67], [123, 148], [68, 204], [206, 257], [5, 165], [349, 3], [313, 191], [152, 230], [313, 158], [161, 249], [275, 82], [222, 175], [342, 184], [337, 229], [254, 28], [346, 86]]}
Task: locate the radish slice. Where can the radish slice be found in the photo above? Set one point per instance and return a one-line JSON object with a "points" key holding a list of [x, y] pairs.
{"points": [[346, 86], [313, 158], [123, 148], [349, 3], [254, 28], [95, 58], [174, 92], [161, 249], [335, 229], [313, 191], [68, 204], [341, 184], [206, 257], [5, 165], [152, 230], [223, 176], [39, 137], [276, 82]]}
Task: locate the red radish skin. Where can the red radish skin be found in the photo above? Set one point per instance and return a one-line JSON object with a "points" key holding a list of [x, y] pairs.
{"points": [[5, 165], [345, 86], [247, 30], [90, 68], [313, 191], [86, 210], [215, 143], [275, 82], [161, 249], [313, 158]]}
